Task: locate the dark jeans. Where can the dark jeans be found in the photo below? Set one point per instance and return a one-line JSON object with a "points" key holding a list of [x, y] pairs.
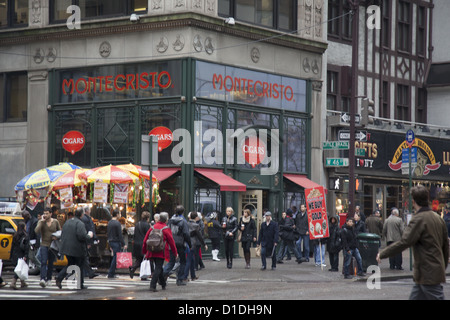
{"points": [[47, 260], [423, 292], [267, 252], [169, 266], [305, 239], [229, 248], [334, 260], [347, 259], [396, 261], [158, 275], [287, 244], [116, 247], [77, 261], [190, 263]]}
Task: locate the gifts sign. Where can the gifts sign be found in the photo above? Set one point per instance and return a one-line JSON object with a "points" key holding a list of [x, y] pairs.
{"points": [[317, 213]]}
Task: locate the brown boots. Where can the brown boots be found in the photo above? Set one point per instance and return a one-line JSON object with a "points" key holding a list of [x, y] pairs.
{"points": [[247, 260]]}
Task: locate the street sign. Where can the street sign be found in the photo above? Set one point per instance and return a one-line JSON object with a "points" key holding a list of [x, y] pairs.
{"points": [[360, 152], [405, 159], [336, 145], [345, 117], [344, 135], [336, 162]]}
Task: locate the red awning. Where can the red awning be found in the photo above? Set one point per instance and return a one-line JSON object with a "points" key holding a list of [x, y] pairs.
{"points": [[301, 180], [225, 182], [164, 173]]}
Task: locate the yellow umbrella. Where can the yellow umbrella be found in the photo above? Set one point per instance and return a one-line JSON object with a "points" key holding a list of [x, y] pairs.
{"points": [[109, 174], [69, 179]]}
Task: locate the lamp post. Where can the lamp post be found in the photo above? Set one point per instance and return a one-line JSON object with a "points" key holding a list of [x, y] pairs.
{"points": [[354, 5]]}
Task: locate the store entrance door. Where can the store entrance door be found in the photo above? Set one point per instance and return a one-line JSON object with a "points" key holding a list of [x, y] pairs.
{"points": [[252, 200]]}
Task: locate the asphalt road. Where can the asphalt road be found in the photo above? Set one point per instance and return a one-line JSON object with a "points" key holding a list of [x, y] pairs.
{"points": [[290, 281]]}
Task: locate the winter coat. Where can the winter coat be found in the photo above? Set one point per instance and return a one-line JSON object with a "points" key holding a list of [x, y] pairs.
{"points": [[335, 240], [268, 234], [393, 228], [19, 247], [249, 229], [427, 234], [74, 238], [214, 229], [140, 230], [231, 227], [168, 239], [348, 236], [287, 229], [195, 234], [180, 231], [301, 223], [374, 225]]}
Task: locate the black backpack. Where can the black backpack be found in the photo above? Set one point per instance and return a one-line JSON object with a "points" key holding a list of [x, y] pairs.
{"points": [[155, 240]]}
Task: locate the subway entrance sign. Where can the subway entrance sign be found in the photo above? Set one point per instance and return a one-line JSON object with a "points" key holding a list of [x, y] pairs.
{"points": [[336, 145]]}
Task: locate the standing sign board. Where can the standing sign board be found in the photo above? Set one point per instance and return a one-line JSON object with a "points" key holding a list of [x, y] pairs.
{"points": [[317, 213]]}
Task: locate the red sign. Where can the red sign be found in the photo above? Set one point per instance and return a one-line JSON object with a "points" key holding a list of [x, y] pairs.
{"points": [[120, 82], [165, 137], [254, 150], [317, 213], [73, 141]]}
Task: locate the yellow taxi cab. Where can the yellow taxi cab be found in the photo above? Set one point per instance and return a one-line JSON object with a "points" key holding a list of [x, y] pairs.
{"points": [[8, 227]]}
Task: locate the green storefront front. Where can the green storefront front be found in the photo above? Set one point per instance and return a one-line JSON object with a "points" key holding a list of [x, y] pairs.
{"points": [[233, 134]]}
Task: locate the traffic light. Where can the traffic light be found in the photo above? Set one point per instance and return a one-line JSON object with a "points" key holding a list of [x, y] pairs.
{"points": [[367, 111]]}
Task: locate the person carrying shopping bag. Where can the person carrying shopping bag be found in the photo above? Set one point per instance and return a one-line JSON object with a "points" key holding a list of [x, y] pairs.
{"points": [[19, 250]]}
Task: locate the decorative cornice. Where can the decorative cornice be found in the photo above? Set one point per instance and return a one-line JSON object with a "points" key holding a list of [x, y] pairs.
{"points": [[120, 26]]}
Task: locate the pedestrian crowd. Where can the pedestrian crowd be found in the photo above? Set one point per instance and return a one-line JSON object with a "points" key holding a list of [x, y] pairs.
{"points": [[173, 244]]}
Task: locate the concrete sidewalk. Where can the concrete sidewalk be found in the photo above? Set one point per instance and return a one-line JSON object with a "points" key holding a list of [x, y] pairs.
{"points": [[291, 271]]}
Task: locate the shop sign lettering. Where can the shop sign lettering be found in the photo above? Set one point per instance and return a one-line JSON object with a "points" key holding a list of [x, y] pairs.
{"points": [[73, 141], [254, 150], [250, 87], [164, 135], [119, 82]]}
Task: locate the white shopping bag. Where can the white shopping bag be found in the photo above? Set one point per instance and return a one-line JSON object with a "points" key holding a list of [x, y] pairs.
{"points": [[145, 270], [1, 267], [21, 270]]}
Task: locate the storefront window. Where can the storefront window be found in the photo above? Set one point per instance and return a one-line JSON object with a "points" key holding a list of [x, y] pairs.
{"points": [[294, 145], [74, 120], [209, 149], [116, 136], [252, 87], [168, 116], [119, 82]]}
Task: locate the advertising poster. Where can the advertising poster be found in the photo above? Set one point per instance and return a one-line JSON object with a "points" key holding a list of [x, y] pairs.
{"points": [[317, 213], [121, 193], [100, 192], [66, 198]]}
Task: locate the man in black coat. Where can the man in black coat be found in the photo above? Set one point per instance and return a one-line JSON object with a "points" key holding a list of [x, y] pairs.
{"points": [[73, 244], [287, 236], [268, 239]]}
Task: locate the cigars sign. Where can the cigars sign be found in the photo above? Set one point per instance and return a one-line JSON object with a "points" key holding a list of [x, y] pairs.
{"points": [[73, 141]]}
